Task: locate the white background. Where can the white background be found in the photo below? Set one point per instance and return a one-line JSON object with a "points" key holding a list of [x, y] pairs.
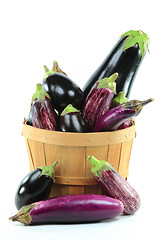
{"points": [[78, 34]]}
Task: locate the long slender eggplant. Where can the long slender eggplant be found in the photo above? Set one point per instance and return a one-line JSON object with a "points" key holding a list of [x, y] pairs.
{"points": [[63, 91], [76, 208], [42, 111], [114, 185], [112, 119], [125, 59], [71, 120], [99, 100], [35, 186]]}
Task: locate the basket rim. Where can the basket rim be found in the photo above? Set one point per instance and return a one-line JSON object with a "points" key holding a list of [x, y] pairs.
{"points": [[78, 139]]}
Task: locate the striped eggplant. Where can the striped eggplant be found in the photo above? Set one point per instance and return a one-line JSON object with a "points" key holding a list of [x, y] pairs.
{"points": [[112, 119], [76, 208], [99, 100], [114, 185], [125, 58], [43, 114]]}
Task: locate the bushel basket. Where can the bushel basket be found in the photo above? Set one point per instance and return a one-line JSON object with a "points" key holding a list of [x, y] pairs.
{"points": [[73, 171]]}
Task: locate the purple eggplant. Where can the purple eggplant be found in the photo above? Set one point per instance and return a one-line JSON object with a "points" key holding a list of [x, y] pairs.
{"points": [[114, 185], [127, 123], [71, 120], [99, 100], [76, 208], [120, 99], [112, 119], [43, 113]]}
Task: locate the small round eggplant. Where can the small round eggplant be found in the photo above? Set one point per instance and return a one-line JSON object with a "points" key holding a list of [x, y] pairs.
{"points": [[35, 186], [63, 91], [71, 120]]}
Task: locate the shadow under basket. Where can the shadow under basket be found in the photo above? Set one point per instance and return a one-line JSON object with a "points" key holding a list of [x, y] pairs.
{"points": [[73, 171]]}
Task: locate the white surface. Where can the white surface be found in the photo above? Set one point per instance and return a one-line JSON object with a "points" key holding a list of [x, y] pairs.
{"points": [[78, 34]]}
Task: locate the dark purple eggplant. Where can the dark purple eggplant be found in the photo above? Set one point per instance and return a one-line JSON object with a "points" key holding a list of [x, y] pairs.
{"points": [[114, 185], [74, 208], [63, 91], [125, 59], [35, 186], [42, 111], [99, 100], [112, 119], [71, 120]]}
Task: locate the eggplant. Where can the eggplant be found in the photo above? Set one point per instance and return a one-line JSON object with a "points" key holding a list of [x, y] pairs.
{"points": [[71, 120], [127, 123], [120, 99], [114, 185], [43, 114], [99, 100], [112, 119], [76, 208], [125, 59], [63, 91], [35, 186]]}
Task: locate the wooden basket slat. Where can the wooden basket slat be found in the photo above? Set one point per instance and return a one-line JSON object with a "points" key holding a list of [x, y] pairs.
{"points": [[123, 168], [71, 150], [31, 160], [37, 150], [114, 153]]}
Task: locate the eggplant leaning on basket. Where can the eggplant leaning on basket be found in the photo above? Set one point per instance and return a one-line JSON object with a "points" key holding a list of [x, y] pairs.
{"points": [[76, 208], [99, 100], [35, 186], [114, 185], [112, 119]]}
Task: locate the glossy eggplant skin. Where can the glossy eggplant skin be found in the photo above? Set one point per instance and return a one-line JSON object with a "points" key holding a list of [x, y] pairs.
{"points": [[32, 188], [72, 122], [125, 63], [63, 91], [76, 208]]}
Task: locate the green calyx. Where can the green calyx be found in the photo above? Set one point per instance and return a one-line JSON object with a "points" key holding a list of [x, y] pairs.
{"points": [[108, 82], [99, 165], [69, 109], [137, 105], [134, 37], [47, 72], [56, 68], [119, 99], [48, 170], [23, 215], [40, 94]]}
